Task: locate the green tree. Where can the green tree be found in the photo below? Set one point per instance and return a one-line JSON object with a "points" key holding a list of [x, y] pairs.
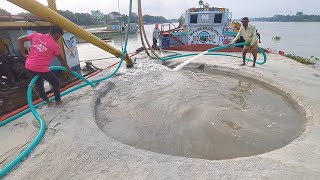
{"points": [[154, 19], [78, 18], [69, 15], [4, 12], [299, 13], [25, 14], [134, 19], [84, 19]]}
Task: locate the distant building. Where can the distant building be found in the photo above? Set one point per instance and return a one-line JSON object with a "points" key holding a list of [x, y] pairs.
{"points": [[98, 16], [114, 15]]}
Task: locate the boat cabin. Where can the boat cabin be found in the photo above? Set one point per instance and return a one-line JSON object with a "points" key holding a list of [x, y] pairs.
{"points": [[204, 25]]}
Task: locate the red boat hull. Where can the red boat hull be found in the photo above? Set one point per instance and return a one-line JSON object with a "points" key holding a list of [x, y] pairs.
{"points": [[204, 47]]}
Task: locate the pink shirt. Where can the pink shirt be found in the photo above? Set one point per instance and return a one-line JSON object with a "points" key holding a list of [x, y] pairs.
{"points": [[43, 49]]}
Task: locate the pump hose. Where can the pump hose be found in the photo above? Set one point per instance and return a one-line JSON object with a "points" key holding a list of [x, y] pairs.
{"points": [[218, 54], [42, 129], [143, 34]]}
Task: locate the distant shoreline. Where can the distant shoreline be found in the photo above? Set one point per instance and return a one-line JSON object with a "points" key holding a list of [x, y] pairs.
{"points": [[254, 20], [282, 21], [298, 17]]}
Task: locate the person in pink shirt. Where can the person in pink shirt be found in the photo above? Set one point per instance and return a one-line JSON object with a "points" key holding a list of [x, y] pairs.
{"points": [[44, 48]]}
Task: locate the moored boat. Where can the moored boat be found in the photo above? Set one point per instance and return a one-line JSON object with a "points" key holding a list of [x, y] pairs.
{"points": [[202, 28]]}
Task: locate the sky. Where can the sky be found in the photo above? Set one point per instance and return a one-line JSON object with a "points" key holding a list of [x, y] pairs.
{"points": [[174, 8]]}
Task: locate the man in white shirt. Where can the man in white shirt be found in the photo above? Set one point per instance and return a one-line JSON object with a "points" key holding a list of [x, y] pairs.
{"points": [[249, 34], [155, 36]]}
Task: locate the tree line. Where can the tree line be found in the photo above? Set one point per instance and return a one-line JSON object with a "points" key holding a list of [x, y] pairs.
{"points": [[299, 17], [86, 19], [148, 19]]}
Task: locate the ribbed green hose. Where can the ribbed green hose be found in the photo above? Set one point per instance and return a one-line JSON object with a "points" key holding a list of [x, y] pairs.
{"points": [[53, 68], [222, 54], [42, 123]]}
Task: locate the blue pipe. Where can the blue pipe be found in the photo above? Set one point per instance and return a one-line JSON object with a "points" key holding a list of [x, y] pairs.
{"points": [[32, 108]]}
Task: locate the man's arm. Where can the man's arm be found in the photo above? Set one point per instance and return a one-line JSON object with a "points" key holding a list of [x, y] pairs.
{"points": [[254, 36], [154, 33], [21, 41], [237, 37], [63, 62]]}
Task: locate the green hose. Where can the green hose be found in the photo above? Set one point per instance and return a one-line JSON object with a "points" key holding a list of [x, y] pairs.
{"points": [[219, 48], [53, 68], [42, 123]]}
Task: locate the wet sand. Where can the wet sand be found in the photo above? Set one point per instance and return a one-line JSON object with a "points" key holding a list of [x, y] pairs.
{"points": [[204, 114]]}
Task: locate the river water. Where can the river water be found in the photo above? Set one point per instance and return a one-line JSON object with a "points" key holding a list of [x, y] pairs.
{"points": [[298, 38]]}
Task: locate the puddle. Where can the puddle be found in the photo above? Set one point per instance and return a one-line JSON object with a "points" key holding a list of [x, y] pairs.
{"points": [[203, 114]]}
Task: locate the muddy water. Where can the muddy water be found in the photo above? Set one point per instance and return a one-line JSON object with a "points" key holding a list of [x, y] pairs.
{"points": [[200, 114]]}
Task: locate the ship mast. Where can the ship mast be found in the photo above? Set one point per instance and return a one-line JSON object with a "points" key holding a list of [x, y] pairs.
{"points": [[203, 5]]}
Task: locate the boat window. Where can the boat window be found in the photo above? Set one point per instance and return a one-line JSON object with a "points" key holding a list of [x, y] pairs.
{"points": [[218, 18], [194, 19], [206, 18]]}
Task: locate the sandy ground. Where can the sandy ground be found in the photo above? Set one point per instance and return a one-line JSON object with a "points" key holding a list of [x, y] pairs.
{"points": [[75, 148]]}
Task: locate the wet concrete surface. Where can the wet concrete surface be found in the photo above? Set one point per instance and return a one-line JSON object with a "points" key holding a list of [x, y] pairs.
{"points": [[199, 113]]}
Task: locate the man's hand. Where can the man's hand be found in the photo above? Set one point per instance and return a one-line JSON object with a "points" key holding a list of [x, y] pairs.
{"points": [[21, 41], [67, 75], [25, 55], [69, 69], [63, 62]]}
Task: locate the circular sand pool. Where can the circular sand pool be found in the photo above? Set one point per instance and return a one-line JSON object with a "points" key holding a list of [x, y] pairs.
{"points": [[205, 114]]}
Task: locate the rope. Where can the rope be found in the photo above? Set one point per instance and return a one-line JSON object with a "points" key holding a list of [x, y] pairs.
{"points": [[120, 28], [141, 26]]}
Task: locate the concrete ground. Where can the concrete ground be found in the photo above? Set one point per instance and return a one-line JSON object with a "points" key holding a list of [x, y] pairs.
{"points": [[75, 148]]}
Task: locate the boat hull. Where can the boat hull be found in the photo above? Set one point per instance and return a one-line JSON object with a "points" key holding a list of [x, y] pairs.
{"points": [[202, 47]]}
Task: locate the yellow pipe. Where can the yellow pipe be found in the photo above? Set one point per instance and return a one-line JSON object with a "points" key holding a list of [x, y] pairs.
{"points": [[52, 5], [42, 11]]}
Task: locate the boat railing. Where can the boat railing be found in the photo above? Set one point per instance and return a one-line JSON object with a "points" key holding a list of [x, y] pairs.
{"points": [[6, 18], [174, 31]]}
